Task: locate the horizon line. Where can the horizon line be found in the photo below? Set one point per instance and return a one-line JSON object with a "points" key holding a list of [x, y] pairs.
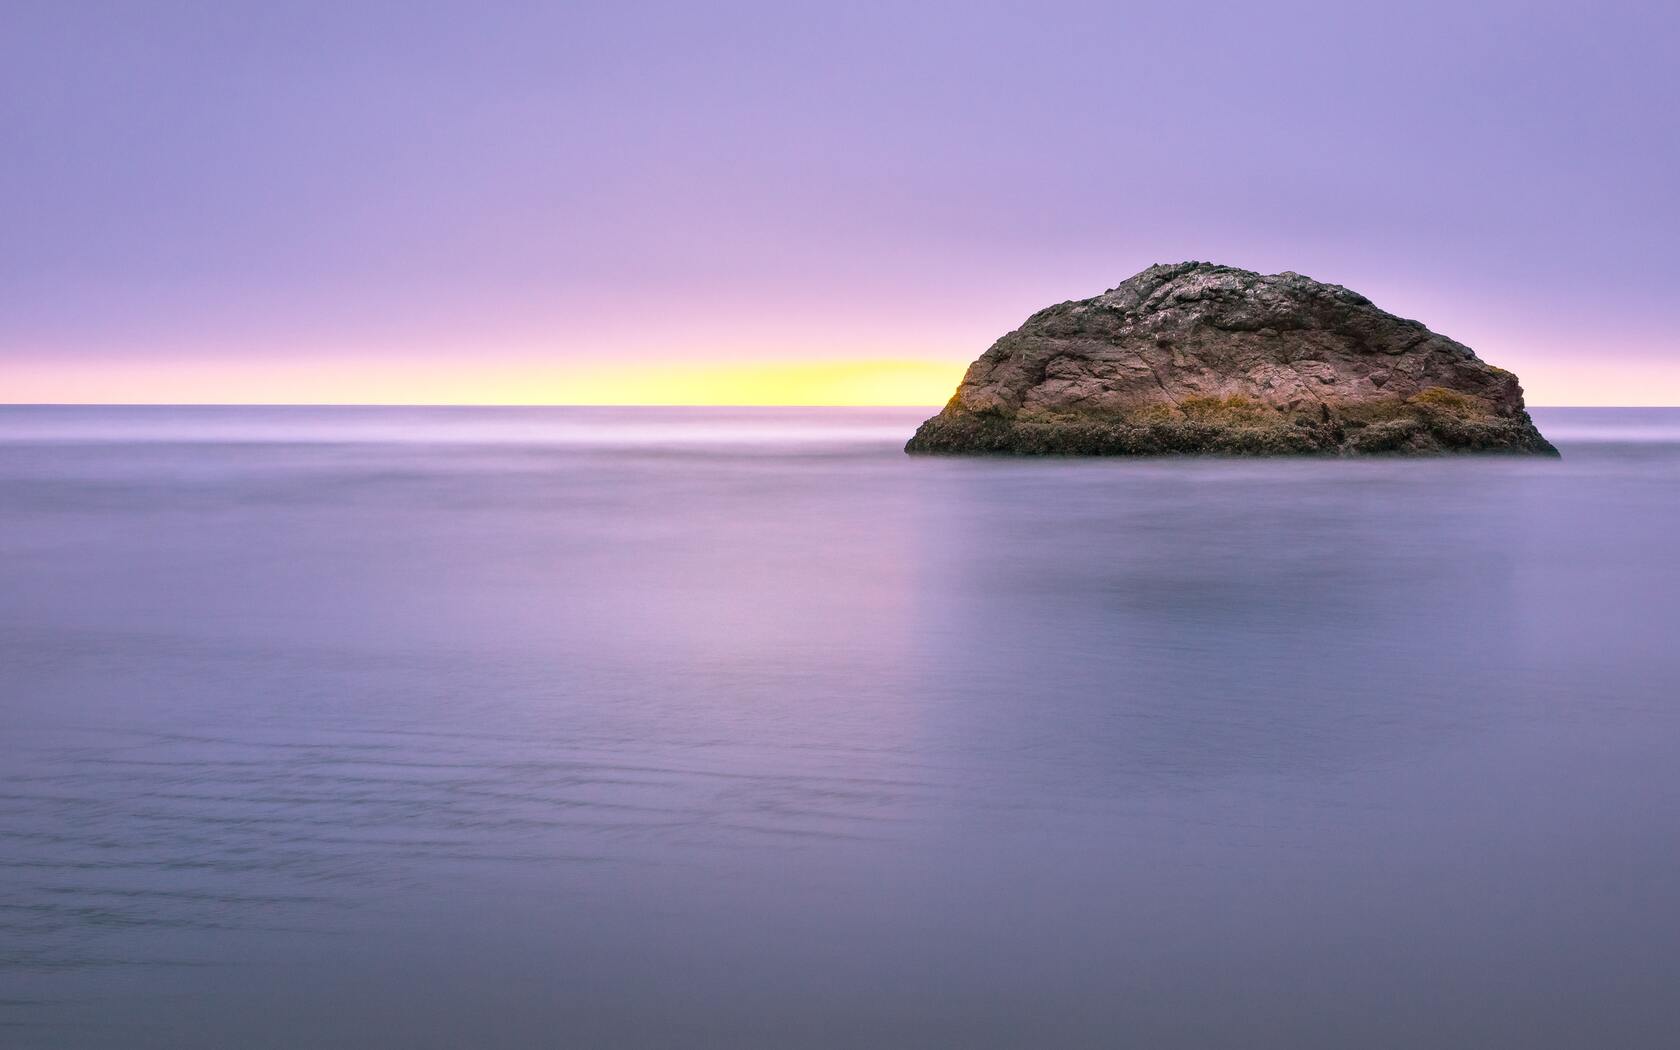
{"points": [[565, 404]]}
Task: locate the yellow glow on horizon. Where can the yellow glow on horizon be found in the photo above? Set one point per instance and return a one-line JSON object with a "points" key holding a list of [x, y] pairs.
{"points": [[874, 382], [877, 381]]}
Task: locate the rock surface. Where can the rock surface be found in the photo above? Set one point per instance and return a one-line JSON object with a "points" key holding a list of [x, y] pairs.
{"points": [[1199, 358]]}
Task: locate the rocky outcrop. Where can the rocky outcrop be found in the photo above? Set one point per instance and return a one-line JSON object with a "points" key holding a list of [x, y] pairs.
{"points": [[1199, 358]]}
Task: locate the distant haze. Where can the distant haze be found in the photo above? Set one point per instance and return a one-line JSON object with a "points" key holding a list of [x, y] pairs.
{"points": [[836, 203]]}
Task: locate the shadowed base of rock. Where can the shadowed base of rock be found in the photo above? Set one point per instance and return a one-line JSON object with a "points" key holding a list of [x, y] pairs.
{"points": [[1427, 425]]}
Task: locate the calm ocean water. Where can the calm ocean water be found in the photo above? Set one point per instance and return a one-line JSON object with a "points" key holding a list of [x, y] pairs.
{"points": [[353, 728]]}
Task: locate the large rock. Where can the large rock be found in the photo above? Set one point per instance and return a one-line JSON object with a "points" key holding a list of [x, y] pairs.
{"points": [[1198, 358]]}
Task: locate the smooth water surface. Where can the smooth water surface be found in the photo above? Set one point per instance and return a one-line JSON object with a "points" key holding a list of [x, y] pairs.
{"points": [[436, 728]]}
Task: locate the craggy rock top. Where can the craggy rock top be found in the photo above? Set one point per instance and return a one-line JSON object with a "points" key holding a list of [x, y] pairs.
{"points": [[1199, 358]]}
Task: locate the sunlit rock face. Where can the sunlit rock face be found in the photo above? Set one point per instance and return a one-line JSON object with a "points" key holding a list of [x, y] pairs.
{"points": [[1199, 358]]}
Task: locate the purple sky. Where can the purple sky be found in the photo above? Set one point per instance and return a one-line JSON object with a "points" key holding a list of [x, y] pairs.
{"points": [[199, 197]]}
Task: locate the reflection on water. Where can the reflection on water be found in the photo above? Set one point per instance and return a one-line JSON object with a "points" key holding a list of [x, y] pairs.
{"points": [[517, 727]]}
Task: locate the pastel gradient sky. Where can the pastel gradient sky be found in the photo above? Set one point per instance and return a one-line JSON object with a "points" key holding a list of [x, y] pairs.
{"points": [[806, 203]]}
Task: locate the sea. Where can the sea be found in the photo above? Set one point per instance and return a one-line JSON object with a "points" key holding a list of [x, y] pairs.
{"points": [[632, 728]]}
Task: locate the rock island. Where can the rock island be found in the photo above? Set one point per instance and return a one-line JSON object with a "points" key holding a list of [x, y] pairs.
{"points": [[1199, 358]]}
